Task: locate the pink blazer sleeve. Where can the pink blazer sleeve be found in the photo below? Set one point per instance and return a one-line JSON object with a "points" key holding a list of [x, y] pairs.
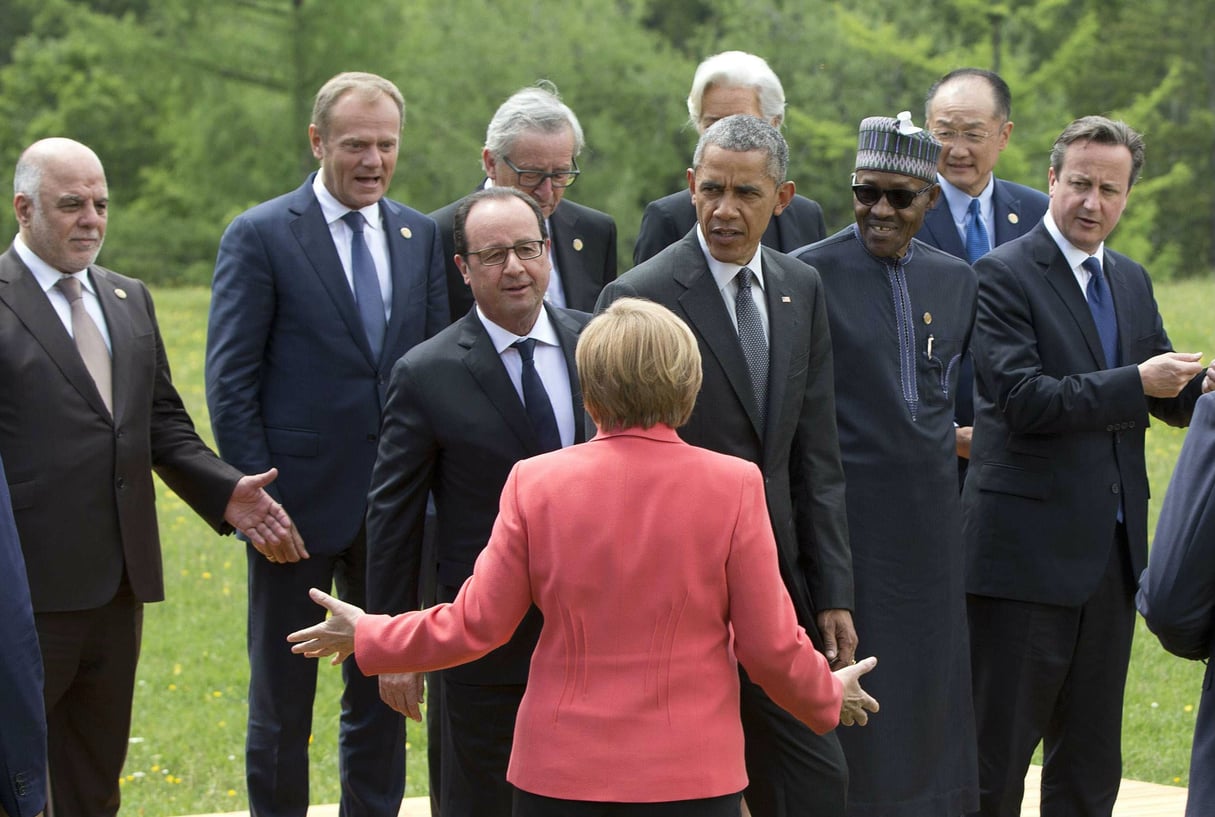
{"points": [[768, 641], [484, 615]]}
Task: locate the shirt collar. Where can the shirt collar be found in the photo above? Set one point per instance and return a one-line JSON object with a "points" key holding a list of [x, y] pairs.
{"points": [[959, 200], [332, 209], [542, 332], [46, 275], [1071, 253], [722, 272]]}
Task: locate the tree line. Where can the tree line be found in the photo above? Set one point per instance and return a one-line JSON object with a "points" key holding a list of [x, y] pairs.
{"points": [[200, 110]]}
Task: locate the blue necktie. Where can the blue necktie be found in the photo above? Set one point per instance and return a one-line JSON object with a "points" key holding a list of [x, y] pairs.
{"points": [[367, 293], [535, 399], [1102, 306], [754, 341], [977, 244]]}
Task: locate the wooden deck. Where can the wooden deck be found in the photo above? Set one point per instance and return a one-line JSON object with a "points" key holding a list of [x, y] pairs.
{"points": [[1135, 799]]}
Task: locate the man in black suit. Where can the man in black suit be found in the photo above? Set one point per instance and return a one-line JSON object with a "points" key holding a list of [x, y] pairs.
{"points": [[23, 738], [460, 414], [726, 84], [968, 112], [301, 338], [87, 412], [768, 399], [1071, 357], [532, 144]]}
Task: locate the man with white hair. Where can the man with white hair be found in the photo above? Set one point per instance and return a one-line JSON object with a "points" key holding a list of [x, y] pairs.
{"points": [[733, 82]]}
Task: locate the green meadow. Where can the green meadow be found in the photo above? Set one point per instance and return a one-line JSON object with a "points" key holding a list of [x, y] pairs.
{"points": [[187, 745]]}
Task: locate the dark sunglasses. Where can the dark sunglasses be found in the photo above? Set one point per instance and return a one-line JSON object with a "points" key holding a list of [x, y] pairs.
{"points": [[871, 194]]}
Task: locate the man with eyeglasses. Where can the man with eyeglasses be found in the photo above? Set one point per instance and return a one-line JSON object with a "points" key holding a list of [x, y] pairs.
{"points": [[968, 112], [462, 409], [901, 314], [532, 144]]}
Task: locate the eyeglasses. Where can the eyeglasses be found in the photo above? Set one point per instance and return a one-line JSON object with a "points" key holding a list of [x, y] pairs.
{"points": [[534, 178], [871, 194], [524, 251], [970, 137]]}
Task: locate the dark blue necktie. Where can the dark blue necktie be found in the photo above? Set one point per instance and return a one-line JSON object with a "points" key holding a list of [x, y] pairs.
{"points": [[535, 399], [977, 244], [367, 292], [754, 341], [1102, 306]]}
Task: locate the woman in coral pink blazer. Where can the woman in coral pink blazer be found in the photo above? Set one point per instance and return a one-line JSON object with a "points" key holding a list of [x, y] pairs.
{"points": [[655, 567]]}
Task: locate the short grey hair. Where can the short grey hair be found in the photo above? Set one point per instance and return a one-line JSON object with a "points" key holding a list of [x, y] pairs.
{"points": [[27, 178], [1103, 131], [366, 86], [738, 69], [742, 134], [537, 108]]}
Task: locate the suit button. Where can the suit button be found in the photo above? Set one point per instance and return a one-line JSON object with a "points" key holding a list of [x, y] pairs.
{"points": [[122, 483], [371, 438], [1115, 488], [1109, 428]]}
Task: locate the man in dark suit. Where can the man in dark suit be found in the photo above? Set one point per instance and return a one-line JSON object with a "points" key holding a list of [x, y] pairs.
{"points": [[459, 416], [532, 144], [733, 82], [1177, 591], [768, 398], [316, 294], [87, 411], [968, 112], [1071, 357], [23, 739]]}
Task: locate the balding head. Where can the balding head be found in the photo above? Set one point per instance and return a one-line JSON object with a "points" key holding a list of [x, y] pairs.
{"points": [[61, 200]]}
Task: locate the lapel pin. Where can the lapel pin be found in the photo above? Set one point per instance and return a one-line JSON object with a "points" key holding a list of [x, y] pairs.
{"points": [[121, 293], [577, 245], [785, 299], [1012, 218], [406, 232], [927, 317]]}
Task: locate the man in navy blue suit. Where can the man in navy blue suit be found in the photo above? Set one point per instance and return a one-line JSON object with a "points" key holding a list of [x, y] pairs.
{"points": [[968, 112], [1177, 591], [316, 294], [23, 738]]}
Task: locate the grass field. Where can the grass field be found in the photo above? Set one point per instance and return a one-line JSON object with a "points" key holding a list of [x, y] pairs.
{"points": [[187, 745]]}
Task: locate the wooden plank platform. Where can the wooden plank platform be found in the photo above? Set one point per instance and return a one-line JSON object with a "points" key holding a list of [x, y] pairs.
{"points": [[1135, 799]]}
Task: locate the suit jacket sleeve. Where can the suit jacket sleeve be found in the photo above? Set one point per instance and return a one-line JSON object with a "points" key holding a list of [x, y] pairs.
{"points": [[179, 456], [396, 506], [817, 477], [23, 736], [242, 312], [484, 615], [1177, 591], [1009, 330]]}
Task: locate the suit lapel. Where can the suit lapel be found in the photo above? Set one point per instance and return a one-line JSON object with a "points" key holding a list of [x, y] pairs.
{"points": [[782, 322], [21, 292], [485, 366], [1123, 307], [568, 331], [404, 268], [1061, 278], [706, 311], [939, 223], [122, 339], [316, 242], [1007, 209], [567, 249]]}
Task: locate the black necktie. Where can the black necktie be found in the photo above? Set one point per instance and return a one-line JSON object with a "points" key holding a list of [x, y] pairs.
{"points": [[367, 292], [754, 341], [535, 399], [1102, 306]]}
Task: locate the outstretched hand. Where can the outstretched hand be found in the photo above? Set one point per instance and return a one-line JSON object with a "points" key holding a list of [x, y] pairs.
{"points": [[254, 513], [857, 702], [333, 636]]}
